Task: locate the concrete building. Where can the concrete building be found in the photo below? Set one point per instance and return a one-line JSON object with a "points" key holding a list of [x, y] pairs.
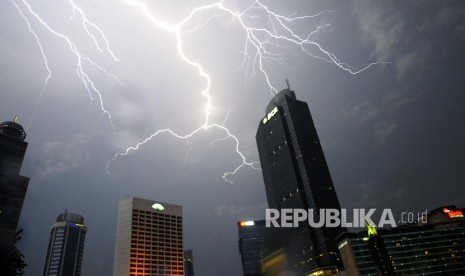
{"points": [[149, 239]]}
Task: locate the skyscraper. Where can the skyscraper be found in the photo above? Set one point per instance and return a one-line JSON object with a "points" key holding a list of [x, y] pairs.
{"points": [[252, 246], [13, 186], [66, 246], [148, 239], [296, 176], [260, 248]]}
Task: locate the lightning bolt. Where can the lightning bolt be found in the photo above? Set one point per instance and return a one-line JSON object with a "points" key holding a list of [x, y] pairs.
{"points": [[260, 47], [49, 72], [257, 39], [87, 82], [86, 23]]}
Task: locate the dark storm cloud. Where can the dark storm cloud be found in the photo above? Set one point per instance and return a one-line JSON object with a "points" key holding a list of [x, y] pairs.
{"points": [[415, 119], [393, 135]]}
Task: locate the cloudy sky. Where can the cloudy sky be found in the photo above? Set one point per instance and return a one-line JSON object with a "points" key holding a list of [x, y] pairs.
{"points": [[393, 134]]}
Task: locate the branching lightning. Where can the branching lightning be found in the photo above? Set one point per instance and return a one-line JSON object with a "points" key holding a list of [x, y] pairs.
{"points": [[85, 23], [261, 54], [260, 44], [49, 72], [80, 58]]}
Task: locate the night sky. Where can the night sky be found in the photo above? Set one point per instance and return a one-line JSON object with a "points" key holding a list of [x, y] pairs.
{"points": [[393, 135]]}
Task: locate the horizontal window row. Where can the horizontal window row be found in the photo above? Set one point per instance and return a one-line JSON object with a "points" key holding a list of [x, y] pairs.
{"points": [[154, 263], [156, 229], [149, 253], [155, 241], [151, 263], [153, 254]]}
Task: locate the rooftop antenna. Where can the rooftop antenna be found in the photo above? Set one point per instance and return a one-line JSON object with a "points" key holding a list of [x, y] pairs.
{"points": [[288, 83]]}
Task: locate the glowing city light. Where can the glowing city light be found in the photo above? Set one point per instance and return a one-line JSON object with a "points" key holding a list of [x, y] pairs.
{"points": [[247, 223], [158, 207]]}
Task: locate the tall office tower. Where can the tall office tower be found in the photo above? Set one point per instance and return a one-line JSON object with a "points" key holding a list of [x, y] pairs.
{"points": [[252, 246], [260, 249], [66, 246], [296, 176], [188, 262], [13, 186], [148, 239]]}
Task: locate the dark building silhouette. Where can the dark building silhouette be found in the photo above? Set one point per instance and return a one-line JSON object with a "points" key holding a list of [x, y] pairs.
{"points": [[66, 246], [13, 186], [381, 258], [260, 248], [252, 246], [435, 247], [188, 263], [296, 176]]}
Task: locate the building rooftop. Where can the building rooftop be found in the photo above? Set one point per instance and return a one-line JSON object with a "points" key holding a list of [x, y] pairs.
{"points": [[277, 97], [70, 217], [13, 129]]}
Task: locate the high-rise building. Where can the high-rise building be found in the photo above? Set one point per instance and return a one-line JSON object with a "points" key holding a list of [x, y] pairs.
{"points": [[296, 176], [66, 246], [188, 263], [436, 247], [148, 239], [252, 246], [259, 247], [13, 186]]}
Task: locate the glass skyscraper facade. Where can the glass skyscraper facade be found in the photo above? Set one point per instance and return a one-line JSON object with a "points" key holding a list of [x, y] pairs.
{"points": [[13, 186], [260, 248], [252, 246], [436, 248], [66, 246], [296, 176], [149, 240]]}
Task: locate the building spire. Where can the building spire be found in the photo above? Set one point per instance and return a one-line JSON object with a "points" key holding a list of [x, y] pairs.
{"points": [[288, 83]]}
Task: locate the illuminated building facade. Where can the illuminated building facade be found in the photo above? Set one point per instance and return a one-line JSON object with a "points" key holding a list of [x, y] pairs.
{"points": [[148, 239], [13, 186], [296, 176], [66, 246], [433, 248]]}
